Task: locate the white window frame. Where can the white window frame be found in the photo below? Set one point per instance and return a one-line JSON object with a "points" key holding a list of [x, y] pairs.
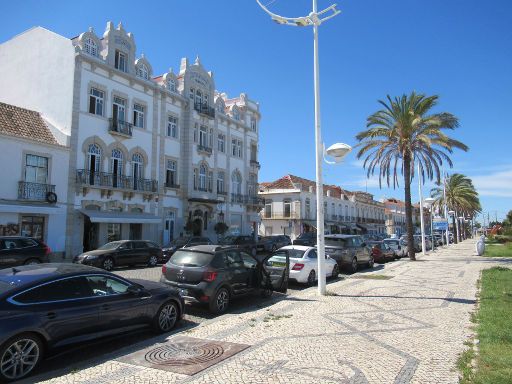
{"points": [[121, 61], [220, 182], [138, 115], [39, 166], [97, 97], [91, 47], [172, 170], [221, 142], [203, 171], [172, 126], [203, 135]]}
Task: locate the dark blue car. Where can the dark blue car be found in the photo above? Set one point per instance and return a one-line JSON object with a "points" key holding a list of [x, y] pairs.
{"points": [[50, 305]]}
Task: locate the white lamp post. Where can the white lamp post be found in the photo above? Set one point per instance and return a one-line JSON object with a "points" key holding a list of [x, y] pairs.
{"points": [[314, 18], [452, 213], [422, 222]]}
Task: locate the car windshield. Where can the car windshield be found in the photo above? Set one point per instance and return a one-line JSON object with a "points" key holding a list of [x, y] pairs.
{"points": [[111, 245], [179, 242], [292, 254], [305, 235], [228, 240], [191, 259], [266, 238]]}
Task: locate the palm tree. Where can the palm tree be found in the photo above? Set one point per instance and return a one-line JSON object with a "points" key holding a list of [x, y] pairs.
{"points": [[461, 197], [403, 134]]}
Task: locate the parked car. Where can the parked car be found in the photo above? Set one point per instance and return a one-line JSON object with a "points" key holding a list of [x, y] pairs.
{"points": [[272, 243], [19, 250], [242, 242], [349, 251], [417, 241], [397, 245], [183, 242], [50, 305], [306, 238], [214, 275], [122, 252], [382, 252], [303, 263]]}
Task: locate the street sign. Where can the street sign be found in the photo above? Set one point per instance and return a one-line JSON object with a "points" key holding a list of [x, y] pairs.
{"points": [[440, 224]]}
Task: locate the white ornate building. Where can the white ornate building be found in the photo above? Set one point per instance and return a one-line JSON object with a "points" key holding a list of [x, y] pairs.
{"points": [[149, 155]]}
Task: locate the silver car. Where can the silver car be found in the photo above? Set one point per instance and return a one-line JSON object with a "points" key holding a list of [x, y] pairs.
{"points": [[348, 251]]}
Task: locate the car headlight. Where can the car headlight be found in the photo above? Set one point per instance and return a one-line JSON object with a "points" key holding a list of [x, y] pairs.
{"points": [[91, 257]]}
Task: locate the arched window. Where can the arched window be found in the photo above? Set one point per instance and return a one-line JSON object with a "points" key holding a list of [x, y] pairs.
{"points": [[236, 114], [202, 177], [142, 71], [116, 167], [236, 183], [93, 163], [220, 107], [90, 47], [171, 85], [137, 171]]}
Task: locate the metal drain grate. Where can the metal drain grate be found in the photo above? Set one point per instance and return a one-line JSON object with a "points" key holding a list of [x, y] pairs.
{"points": [[185, 355]]}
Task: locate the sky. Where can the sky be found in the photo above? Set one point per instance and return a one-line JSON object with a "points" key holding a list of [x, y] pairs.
{"points": [[460, 50]]}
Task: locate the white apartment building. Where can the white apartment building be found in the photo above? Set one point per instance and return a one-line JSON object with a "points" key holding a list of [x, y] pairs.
{"points": [[34, 183], [150, 156], [290, 209]]}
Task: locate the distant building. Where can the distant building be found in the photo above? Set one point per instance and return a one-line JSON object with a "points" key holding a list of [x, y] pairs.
{"points": [[150, 156], [290, 208], [33, 190]]}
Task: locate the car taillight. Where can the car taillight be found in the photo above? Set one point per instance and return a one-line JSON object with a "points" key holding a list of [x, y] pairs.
{"points": [[164, 269], [47, 250], [298, 267], [210, 276]]}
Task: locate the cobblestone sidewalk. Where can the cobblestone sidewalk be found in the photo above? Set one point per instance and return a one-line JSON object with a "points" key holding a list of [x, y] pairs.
{"points": [[408, 328]]}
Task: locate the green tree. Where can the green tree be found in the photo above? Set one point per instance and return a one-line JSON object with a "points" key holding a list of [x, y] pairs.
{"points": [[405, 133], [461, 197], [508, 219]]}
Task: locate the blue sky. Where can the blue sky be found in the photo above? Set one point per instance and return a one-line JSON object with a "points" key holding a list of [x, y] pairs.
{"points": [[460, 50]]}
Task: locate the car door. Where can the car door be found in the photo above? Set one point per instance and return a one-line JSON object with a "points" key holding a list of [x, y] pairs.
{"points": [[124, 254], [117, 307], [141, 252], [239, 273], [12, 253], [66, 308]]}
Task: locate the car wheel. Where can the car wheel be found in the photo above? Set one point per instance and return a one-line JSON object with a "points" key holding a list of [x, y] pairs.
{"points": [[32, 262], [19, 356], [312, 278], [108, 264], [353, 265], [371, 262], [220, 302], [335, 271], [166, 317], [266, 292], [153, 261]]}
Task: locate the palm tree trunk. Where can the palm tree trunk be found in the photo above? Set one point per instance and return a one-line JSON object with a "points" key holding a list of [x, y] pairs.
{"points": [[454, 230], [408, 207]]}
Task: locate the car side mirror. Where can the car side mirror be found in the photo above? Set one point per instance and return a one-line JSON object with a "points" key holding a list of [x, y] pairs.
{"points": [[134, 290]]}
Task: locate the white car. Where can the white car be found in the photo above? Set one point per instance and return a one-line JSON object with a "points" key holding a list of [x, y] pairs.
{"points": [[303, 263]]}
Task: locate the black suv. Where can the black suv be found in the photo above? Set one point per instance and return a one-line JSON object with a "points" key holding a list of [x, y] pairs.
{"points": [[241, 242], [19, 250], [183, 242], [306, 238], [272, 243], [349, 251], [214, 274]]}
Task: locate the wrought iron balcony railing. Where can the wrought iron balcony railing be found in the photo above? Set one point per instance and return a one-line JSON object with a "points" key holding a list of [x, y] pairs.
{"points": [[120, 126], [87, 177], [34, 191], [203, 148], [238, 198], [205, 109]]}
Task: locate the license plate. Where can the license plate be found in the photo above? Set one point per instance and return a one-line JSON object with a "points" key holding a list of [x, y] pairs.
{"points": [[278, 264], [183, 292]]}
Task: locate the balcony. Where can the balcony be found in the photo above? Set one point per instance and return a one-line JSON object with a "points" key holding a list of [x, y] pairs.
{"points": [[283, 216], [205, 109], [34, 191], [201, 189], [237, 198], [204, 149], [255, 163], [85, 177], [222, 193], [255, 200], [119, 127]]}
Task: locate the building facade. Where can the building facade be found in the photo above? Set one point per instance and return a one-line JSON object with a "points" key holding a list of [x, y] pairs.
{"points": [[290, 209], [33, 190], [150, 156]]}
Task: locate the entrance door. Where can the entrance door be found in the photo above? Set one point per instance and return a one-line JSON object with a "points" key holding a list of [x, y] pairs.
{"points": [[91, 231], [197, 227], [169, 229], [135, 231]]}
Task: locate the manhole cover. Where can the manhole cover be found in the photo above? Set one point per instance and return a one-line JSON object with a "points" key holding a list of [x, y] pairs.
{"points": [[186, 355]]}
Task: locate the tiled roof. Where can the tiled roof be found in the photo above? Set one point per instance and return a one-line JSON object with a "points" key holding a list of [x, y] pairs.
{"points": [[21, 122], [291, 181]]}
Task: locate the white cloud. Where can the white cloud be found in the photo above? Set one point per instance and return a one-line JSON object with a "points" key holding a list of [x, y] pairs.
{"points": [[498, 184]]}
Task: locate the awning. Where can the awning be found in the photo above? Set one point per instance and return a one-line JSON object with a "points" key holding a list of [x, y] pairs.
{"points": [[120, 217]]}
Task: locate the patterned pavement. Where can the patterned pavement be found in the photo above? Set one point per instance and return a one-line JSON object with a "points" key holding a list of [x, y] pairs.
{"points": [[409, 328]]}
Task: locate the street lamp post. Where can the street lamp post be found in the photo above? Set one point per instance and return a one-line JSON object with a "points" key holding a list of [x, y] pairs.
{"points": [[314, 18], [422, 222], [429, 203]]}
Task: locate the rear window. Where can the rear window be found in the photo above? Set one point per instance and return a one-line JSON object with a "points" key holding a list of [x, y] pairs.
{"points": [[335, 242], [191, 259], [292, 253]]}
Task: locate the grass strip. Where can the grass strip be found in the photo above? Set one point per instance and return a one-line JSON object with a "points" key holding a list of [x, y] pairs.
{"points": [[498, 250], [494, 332]]}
